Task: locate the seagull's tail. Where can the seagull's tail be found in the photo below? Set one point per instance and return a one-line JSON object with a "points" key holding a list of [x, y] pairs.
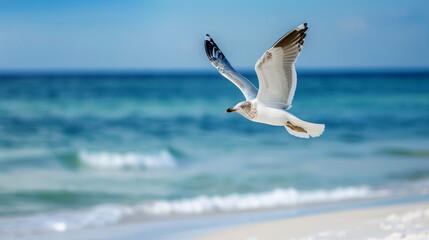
{"points": [[302, 129]]}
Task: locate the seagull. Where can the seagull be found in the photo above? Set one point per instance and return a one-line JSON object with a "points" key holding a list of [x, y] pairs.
{"points": [[277, 83]]}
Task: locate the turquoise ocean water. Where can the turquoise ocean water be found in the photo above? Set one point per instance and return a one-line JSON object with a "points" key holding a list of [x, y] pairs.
{"points": [[89, 150]]}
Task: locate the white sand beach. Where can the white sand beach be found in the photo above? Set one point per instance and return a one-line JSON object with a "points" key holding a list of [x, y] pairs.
{"points": [[409, 221]]}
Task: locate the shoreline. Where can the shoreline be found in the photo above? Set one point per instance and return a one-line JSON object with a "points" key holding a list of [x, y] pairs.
{"points": [[203, 227]]}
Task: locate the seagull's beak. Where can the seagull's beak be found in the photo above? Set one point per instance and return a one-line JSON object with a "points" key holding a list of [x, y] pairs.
{"points": [[230, 110]]}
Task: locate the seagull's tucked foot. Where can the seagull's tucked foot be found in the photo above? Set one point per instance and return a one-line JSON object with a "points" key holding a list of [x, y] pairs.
{"points": [[302, 129]]}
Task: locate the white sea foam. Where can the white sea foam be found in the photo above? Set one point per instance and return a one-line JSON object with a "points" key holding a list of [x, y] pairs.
{"points": [[110, 160], [252, 201]]}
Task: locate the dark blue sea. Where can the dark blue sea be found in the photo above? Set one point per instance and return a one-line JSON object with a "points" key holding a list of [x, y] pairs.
{"points": [[79, 150]]}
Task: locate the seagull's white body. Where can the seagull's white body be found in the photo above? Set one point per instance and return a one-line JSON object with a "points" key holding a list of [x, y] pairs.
{"points": [[277, 84], [269, 115]]}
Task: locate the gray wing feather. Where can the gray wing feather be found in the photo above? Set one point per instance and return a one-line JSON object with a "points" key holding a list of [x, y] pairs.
{"points": [[218, 60]]}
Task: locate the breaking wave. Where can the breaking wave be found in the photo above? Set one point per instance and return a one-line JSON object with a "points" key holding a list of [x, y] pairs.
{"points": [[111, 160], [252, 201]]}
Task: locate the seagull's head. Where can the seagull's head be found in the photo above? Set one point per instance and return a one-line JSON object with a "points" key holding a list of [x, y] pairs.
{"points": [[242, 107]]}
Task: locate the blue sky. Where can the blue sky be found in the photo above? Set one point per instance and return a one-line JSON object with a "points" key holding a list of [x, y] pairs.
{"points": [[156, 35]]}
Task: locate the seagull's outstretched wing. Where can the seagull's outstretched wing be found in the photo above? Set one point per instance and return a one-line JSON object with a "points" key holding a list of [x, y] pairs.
{"points": [[218, 60], [276, 69]]}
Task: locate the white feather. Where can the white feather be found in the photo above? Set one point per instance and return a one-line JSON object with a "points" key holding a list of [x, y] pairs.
{"points": [[276, 70]]}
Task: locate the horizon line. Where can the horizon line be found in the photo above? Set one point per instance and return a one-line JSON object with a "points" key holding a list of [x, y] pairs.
{"points": [[145, 72]]}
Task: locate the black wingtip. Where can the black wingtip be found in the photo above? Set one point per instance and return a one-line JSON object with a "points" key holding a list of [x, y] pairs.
{"points": [[208, 46], [212, 50], [305, 24]]}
